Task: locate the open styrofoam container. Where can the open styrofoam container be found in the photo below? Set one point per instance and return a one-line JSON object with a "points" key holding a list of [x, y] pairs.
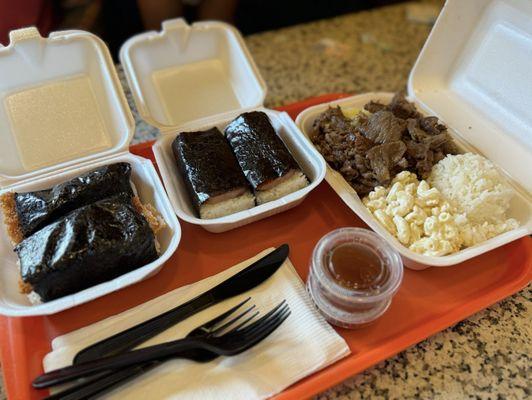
{"points": [[199, 76], [67, 81], [301, 149], [473, 74], [188, 72]]}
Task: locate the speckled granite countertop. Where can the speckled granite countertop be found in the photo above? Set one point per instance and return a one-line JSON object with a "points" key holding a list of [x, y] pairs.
{"points": [[488, 356]]}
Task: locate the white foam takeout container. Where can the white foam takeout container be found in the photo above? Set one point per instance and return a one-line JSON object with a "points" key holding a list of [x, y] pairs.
{"points": [[474, 75], [199, 76], [31, 61]]}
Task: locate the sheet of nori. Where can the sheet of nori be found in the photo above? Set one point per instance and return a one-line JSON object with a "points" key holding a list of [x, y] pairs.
{"points": [[90, 245], [207, 164], [37, 209], [262, 155]]}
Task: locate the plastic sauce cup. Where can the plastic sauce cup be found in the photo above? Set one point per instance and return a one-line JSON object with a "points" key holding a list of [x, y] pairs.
{"points": [[352, 308]]}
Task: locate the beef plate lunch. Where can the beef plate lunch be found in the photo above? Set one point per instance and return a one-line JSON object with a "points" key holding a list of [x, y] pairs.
{"points": [[411, 176], [370, 146], [79, 233]]}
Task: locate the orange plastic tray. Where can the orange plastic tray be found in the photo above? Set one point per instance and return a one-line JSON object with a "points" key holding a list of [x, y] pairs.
{"points": [[427, 302]]}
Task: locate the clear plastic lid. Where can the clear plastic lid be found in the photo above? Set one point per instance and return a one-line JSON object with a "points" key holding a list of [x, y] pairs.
{"points": [[61, 103]]}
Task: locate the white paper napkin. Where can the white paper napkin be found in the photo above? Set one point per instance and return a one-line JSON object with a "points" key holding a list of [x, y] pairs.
{"points": [[303, 344]]}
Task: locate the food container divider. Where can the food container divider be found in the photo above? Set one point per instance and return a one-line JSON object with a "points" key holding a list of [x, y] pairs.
{"points": [[194, 77], [64, 113], [473, 74]]}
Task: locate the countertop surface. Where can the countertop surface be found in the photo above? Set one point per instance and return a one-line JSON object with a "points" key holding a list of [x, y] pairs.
{"points": [[487, 356]]}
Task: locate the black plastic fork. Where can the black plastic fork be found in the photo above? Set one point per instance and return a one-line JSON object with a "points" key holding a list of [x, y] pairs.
{"points": [[106, 381], [213, 336]]}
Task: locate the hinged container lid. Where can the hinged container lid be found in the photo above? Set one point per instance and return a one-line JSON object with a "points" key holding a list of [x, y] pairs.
{"points": [[185, 73], [474, 73], [61, 103]]}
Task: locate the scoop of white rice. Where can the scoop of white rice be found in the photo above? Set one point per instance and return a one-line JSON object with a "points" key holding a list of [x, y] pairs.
{"points": [[473, 185]]}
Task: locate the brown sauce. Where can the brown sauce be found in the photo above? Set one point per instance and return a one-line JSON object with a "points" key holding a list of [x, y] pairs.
{"points": [[356, 267]]}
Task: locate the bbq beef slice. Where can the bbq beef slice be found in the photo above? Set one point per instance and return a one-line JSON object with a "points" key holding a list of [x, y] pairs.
{"points": [[416, 150], [424, 165], [402, 108], [431, 125], [414, 130], [334, 136], [342, 146], [383, 127], [374, 106], [427, 144], [437, 141], [362, 144], [332, 121], [385, 159]]}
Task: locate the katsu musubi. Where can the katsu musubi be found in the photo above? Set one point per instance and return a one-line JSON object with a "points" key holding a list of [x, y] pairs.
{"points": [[214, 181], [26, 213], [79, 233], [264, 159], [88, 246]]}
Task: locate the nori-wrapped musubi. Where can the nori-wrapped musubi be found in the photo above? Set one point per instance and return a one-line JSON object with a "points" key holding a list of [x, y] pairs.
{"points": [[88, 246], [31, 211], [263, 157], [214, 181]]}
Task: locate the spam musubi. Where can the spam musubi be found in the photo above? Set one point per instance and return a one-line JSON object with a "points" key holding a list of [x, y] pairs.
{"points": [[214, 181], [264, 159]]}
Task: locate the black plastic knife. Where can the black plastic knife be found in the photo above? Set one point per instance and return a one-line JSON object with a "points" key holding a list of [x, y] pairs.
{"points": [[239, 283]]}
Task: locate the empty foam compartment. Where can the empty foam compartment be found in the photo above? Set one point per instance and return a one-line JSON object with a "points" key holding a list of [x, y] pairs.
{"points": [[187, 72]]}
